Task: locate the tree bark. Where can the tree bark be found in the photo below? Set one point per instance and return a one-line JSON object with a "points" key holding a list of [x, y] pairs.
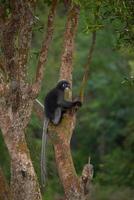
{"points": [[24, 184], [23, 178], [15, 102], [68, 46], [68, 176]]}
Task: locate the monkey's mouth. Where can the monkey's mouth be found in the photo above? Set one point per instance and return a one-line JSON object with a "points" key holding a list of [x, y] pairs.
{"points": [[68, 88]]}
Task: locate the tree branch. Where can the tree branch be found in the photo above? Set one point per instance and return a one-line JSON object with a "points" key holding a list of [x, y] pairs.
{"points": [[24, 38], [17, 36], [39, 109], [9, 32], [68, 46], [26, 9], [44, 49], [87, 175], [87, 67]]}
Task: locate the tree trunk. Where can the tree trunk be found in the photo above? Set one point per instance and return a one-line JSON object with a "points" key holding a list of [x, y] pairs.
{"points": [[24, 184], [68, 176]]}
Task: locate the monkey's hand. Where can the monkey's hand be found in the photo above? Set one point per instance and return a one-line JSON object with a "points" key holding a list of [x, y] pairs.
{"points": [[78, 103]]}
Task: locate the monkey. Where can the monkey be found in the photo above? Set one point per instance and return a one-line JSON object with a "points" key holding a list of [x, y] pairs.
{"points": [[55, 106]]}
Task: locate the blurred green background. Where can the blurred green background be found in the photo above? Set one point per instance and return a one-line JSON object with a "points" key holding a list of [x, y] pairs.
{"points": [[105, 125]]}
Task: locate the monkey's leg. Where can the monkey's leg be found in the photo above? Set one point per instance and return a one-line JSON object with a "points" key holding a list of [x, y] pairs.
{"points": [[57, 116]]}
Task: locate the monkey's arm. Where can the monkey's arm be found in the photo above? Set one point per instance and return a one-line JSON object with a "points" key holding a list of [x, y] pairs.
{"points": [[69, 104]]}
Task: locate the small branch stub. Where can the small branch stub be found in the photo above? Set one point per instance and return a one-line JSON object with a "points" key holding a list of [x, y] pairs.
{"points": [[87, 176]]}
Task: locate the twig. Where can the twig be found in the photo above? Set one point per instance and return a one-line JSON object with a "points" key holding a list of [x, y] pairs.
{"points": [[87, 175], [39, 109]]}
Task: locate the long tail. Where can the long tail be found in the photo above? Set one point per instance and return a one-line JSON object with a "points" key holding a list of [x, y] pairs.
{"points": [[43, 153]]}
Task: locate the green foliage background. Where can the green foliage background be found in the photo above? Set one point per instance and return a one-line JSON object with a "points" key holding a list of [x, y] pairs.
{"points": [[105, 126]]}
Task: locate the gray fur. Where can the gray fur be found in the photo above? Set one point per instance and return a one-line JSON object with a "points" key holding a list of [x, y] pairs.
{"points": [[43, 152]]}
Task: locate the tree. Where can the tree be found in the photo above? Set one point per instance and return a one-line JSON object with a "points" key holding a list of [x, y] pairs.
{"points": [[18, 96]]}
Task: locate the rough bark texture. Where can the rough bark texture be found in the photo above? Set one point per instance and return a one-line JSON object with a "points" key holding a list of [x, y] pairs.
{"points": [[17, 95], [66, 169], [68, 46], [24, 184], [15, 104]]}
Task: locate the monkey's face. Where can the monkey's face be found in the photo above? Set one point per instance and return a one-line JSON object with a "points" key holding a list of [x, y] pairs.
{"points": [[62, 85]]}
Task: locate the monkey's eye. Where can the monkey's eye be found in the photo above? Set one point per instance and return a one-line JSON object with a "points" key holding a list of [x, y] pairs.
{"points": [[64, 85]]}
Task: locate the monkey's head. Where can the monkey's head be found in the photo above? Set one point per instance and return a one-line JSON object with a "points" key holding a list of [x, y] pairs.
{"points": [[62, 85]]}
